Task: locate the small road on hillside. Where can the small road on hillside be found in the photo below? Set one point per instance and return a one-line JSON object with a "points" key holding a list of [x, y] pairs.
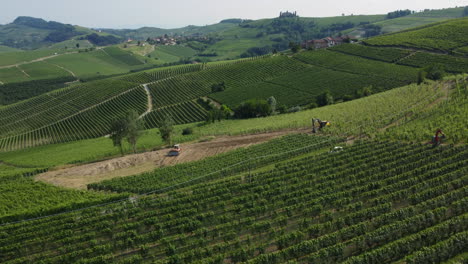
{"points": [[65, 69], [150, 101], [35, 60], [79, 176]]}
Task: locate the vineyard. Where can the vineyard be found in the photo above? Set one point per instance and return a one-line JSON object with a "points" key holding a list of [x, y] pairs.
{"points": [[182, 113], [447, 115], [383, 54], [442, 37], [85, 111], [374, 202], [122, 56], [369, 188], [221, 165], [361, 66], [423, 59], [68, 114]]}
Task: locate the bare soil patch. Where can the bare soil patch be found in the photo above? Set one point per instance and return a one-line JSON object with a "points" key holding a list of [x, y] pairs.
{"points": [[77, 177]]}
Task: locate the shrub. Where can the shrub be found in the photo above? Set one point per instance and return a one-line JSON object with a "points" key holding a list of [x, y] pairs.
{"points": [[187, 131]]}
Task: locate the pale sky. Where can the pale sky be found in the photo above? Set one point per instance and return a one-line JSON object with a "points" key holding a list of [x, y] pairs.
{"points": [[179, 13]]}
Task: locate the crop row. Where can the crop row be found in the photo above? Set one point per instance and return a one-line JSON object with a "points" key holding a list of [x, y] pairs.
{"points": [[444, 37], [423, 59], [51, 107], [92, 122], [383, 54], [374, 201], [186, 112], [352, 64]]}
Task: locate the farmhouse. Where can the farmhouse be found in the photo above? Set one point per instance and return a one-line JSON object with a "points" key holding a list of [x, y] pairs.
{"points": [[324, 43]]}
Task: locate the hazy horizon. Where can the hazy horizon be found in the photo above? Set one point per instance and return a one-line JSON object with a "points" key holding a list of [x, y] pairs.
{"points": [[156, 13]]}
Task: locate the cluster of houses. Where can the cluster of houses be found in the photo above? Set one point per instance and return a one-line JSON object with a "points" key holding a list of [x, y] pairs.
{"points": [[167, 41], [325, 42]]}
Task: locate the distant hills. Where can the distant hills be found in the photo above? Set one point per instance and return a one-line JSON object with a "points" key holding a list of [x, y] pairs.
{"points": [[33, 33], [227, 39]]}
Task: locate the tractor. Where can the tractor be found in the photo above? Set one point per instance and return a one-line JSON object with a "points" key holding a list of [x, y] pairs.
{"points": [[318, 124]]}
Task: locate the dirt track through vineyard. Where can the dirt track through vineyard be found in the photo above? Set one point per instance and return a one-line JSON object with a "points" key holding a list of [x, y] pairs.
{"points": [[77, 177]]}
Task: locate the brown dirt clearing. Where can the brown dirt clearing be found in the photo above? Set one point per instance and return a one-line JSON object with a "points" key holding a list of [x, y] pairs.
{"points": [[79, 176]]}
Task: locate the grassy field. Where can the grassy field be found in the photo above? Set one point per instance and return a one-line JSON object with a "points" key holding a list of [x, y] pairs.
{"points": [[71, 44], [11, 58], [93, 63], [13, 74]]}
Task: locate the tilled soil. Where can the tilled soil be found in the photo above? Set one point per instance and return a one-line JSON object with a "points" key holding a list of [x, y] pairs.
{"points": [[77, 177]]}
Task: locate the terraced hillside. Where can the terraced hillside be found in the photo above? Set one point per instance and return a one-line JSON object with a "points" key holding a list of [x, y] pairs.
{"points": [[373, 202]]}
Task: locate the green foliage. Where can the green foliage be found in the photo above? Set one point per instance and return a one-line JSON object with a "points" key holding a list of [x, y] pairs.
{"points": [[272, 102], [371, 30], [326, 98], [166, 129], [117, 132], [99, 40], [253, 108], [435, 71], [134, 125], [218, 87], [187, 131], [398, 13]]}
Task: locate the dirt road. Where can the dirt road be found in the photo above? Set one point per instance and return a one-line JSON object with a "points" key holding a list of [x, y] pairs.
{"points": [[78, 177]]}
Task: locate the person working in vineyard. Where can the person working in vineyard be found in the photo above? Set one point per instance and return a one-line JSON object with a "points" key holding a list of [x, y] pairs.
{"points": [[437, 139]]}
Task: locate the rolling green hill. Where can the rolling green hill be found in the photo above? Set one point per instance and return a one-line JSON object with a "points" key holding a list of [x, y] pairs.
{"points": [[30, 33], [409, 200], [346, 72], [442, 37], [368, 188]]}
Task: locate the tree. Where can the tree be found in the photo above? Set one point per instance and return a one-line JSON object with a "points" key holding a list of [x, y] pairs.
{"points": [[272, 102], [252, 108], [134, 127], [77, 45], [166, 129], [295, 47], [218, 87], [435, 71], [118, 132], [465, 11], [325, 98], [421, 76]]}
